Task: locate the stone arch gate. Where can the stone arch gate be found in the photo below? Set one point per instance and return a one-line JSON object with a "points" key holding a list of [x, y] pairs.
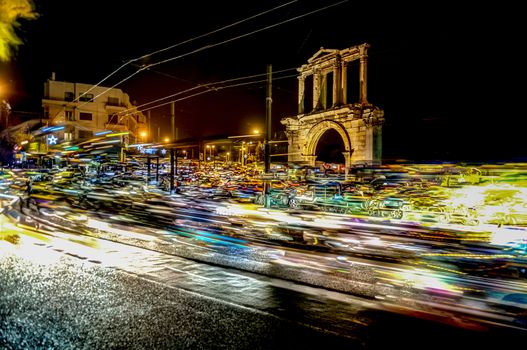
{"points": [[359, 124]]}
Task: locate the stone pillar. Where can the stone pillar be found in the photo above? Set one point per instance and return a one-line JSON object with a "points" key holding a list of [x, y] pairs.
{"points": [[324, 92], [363, 74], [344, 83], [311, 159], [368, 147], [316, 90], [347, 163], [301, 93], [337, 95]]}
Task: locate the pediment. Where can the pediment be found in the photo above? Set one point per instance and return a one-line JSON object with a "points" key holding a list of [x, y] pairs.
{"points": [[323, 53]]}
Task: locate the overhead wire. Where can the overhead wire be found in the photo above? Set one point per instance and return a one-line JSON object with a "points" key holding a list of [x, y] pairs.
{"points": [[209, 86], [203, 92], [218, 44], [182, 43]]}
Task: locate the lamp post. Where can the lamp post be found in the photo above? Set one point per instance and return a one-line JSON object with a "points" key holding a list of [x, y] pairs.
{"points": [[213, 156]]}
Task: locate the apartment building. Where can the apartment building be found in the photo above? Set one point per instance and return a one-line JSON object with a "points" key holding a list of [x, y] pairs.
{"points": [[85, 110]]}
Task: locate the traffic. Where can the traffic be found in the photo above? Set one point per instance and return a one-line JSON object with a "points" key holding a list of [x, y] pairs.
{"points": [[445, 242]]}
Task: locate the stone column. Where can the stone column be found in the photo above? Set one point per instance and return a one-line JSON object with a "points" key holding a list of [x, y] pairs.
{"points": [[344, 83], [311, 159], [324, 92], [301, 93], [316, 90], [337, 96], [363, 74], [347, 163]]}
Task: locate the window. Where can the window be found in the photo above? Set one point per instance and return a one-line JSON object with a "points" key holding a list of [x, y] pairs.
{"points": [[113, 101], [68, 136], [83, 134], [69, 96], [69, 116], [113, 119], [85, 116], [85, 97]]}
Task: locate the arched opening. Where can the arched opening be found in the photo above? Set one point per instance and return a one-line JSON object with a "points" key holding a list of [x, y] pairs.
{"points": [[330, 147]]}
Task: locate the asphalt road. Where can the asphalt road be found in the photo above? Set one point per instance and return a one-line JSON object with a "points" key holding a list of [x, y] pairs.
{"points": [[81, 294]]}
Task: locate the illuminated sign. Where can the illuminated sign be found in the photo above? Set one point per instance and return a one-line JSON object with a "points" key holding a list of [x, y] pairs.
{"points": [[33, 147], [52, 140], [52, 128]]}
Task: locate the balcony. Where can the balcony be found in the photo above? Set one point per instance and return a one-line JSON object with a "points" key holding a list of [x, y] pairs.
{"points": [[112, 108], [116, 126]]}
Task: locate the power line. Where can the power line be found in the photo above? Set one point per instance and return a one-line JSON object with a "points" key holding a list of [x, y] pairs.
{"points": [[218, 44], [184, 42], [245, 35], [205, 91], [208, 86]]}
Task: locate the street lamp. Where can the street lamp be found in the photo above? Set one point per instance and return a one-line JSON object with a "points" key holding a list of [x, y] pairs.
{"points": [[213, 155], [143, 135], [167, 139]]}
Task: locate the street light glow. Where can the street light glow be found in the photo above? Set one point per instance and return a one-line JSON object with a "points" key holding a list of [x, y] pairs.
{"points": [[167, 139]]}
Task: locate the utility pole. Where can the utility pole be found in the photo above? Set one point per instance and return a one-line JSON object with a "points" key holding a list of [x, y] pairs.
{"points": [[267, 149], [173, 120], [172, 168], [149, 135], [269, 101]]}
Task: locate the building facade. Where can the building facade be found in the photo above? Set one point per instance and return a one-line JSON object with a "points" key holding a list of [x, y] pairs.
{"points": [[85, 110]]}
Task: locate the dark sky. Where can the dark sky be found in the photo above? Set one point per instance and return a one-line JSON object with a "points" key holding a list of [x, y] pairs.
{"points": [[448, 76]]}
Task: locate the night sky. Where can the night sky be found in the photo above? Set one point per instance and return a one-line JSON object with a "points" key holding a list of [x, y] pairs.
{"points": [[447, 77]]}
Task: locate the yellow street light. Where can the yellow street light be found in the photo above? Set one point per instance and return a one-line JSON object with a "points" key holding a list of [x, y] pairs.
{"points": [[143, 136], [167, 139]]}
